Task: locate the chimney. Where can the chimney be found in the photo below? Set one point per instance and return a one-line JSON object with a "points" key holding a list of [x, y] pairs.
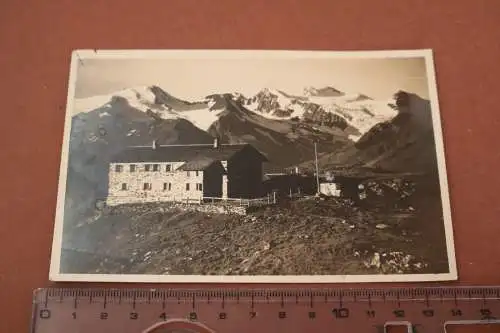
{"points": [[155, 144], [216, 143]]}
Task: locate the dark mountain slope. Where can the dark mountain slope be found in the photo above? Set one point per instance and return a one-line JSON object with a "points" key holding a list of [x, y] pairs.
{"points": [[98, 135], [403, 144], [284, 142]]}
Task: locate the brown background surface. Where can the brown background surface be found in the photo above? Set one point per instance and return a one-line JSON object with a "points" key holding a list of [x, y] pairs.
{"points": [[37, 37]]}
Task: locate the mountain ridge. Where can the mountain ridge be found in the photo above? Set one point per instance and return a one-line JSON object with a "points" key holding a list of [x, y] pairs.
{"points": [[357, 112], [404, 143], [273, 120], [138, 116]]}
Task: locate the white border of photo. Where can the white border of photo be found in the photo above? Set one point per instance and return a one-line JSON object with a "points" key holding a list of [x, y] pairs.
{"points": [[80, 55]]}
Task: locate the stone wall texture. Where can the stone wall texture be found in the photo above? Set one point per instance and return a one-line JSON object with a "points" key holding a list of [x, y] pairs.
{"points": [[207, 208], [212, 208], [175, 189]]}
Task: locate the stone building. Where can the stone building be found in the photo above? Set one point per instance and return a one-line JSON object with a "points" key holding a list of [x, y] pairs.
{"points": [[185, 173]]}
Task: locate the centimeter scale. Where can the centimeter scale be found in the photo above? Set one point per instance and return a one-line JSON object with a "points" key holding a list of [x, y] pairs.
{"points": [[360, 310]]}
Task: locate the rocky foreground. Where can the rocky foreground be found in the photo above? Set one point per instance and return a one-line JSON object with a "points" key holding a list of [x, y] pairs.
{"points": [[308, 236]]}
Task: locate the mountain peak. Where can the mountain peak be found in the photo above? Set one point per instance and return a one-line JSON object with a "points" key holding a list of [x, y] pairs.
{"points": [[269, 91], [362, 97]]}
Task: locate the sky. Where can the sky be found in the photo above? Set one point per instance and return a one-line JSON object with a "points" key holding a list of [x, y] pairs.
{"points": [[193, 79]]}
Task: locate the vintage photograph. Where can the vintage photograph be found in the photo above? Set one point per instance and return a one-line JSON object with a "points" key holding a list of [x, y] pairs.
{"points": [[252, 166]]}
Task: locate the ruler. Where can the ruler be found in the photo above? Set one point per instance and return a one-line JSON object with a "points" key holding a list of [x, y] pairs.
{"points": [[428, 310]]}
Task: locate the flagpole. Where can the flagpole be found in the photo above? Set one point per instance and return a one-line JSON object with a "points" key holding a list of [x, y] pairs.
{"points": [[317, 170]]}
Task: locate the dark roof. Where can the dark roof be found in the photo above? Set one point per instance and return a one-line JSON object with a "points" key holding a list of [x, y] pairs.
{"points": [[198, 164], [180, 153]]}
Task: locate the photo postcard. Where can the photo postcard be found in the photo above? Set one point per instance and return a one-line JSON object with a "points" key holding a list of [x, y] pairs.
{"points": [[252, 166]]}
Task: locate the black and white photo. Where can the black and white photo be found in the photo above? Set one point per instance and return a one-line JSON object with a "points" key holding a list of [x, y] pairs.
{"points": [[252, 166]]}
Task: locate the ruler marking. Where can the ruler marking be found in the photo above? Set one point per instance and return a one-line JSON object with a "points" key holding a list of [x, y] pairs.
{"points": [[493, 292], [479, 299]]}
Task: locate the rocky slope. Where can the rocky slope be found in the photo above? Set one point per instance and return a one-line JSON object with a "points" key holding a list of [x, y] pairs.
{"points": [[284, 142], [329, 237], [403, 144]]}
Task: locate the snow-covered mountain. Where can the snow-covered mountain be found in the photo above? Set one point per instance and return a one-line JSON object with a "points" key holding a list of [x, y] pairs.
{"points": [[138, 97], [360, 112], [272, 120], [404, 143], [133, 116], [276, 104], [320, 106], [322, 92], [325, 106], [153, 100]]}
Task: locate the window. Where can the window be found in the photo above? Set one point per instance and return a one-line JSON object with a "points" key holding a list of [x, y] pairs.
{"points": [[147, 186], [167, 186], [118, 168], [147, 167], [132, 167], [168, 167], [199, 187], [197, 173], [156, 167], [188, 173], [124, 186], [187, 186]]}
